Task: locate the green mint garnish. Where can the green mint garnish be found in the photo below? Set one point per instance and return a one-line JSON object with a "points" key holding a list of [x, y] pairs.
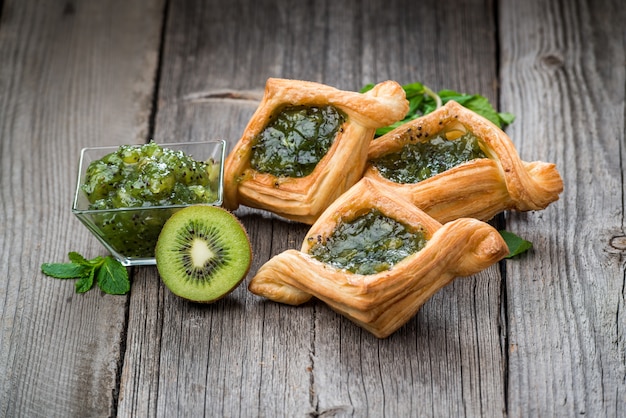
{"points": [[112, 277], [423, 100], [110, 274], [517, 245], [85, 283]]}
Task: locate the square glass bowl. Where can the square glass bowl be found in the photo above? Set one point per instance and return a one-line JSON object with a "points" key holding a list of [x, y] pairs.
{"points": [[130, 233]]}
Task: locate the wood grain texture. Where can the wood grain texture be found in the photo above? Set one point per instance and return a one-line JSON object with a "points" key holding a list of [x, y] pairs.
{"points": [[71, 75], [540, 335], [563, 75], [246, 355]]}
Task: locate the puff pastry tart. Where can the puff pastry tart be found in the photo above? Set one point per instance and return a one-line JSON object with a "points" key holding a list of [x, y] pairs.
{"points": [[455, 163], [305, 145], [376, 258]]}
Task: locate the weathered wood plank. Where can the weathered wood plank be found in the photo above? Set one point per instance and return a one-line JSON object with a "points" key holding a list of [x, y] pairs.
{"points": [[71, 75], [563, 75], [74, 74], [447, 361], [246, 356]]}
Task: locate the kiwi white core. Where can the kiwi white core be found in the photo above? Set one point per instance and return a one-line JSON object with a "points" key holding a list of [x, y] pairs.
{"points": [[200, 252]]}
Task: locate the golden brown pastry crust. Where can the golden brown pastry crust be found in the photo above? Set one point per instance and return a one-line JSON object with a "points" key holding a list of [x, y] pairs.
{"points": [[480, 188], [303, 199], [382, 302]]}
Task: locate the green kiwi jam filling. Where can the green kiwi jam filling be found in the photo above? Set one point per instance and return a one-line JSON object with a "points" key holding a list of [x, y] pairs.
{"points": [[146, 178], [369, 244], [418, 161], [297, 139]]}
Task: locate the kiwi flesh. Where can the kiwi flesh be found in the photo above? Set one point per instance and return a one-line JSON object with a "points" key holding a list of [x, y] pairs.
{"points": [[203, 253]]}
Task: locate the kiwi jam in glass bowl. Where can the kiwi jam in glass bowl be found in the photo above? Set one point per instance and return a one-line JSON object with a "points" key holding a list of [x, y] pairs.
{"points": [[124, 194]]}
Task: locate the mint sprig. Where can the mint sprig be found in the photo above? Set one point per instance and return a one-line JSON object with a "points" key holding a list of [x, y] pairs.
{"points": [[516, 244], [423, 100], [110, 275]]}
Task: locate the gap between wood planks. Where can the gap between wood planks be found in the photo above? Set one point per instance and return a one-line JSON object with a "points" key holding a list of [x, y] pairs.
{"points": [[157, 74], [500, 223], [206, 96]]}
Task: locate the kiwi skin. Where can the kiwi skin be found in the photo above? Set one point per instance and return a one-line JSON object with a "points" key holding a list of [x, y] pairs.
{"points": [[232, 237]]}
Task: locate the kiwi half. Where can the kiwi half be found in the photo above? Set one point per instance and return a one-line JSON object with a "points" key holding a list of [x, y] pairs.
{"points": [[203, 253]]}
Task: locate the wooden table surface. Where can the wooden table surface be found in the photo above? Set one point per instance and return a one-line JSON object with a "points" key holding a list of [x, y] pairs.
{"points": [[540, 335]]}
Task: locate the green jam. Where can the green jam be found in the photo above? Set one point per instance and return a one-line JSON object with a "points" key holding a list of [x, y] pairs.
{"points": [[142, 178], [294, 143], [369, 244], [418, 161]]}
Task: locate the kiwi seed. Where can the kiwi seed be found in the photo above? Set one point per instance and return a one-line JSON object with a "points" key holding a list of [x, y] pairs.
{"points": [[203, 253]]}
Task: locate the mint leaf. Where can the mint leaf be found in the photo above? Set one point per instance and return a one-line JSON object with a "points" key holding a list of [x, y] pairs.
{"points": [[474, 102], [478, 104], [79, 259], [112, 277], [382, 131], [516, 244], [423, 101], [414, 89], [366, 88], [85, 283], [506, 118], [65, 270]]}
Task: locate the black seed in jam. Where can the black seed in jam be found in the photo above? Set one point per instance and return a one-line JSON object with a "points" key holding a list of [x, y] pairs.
{"points": [[294, 143], [415, 162], [368, 244]]}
